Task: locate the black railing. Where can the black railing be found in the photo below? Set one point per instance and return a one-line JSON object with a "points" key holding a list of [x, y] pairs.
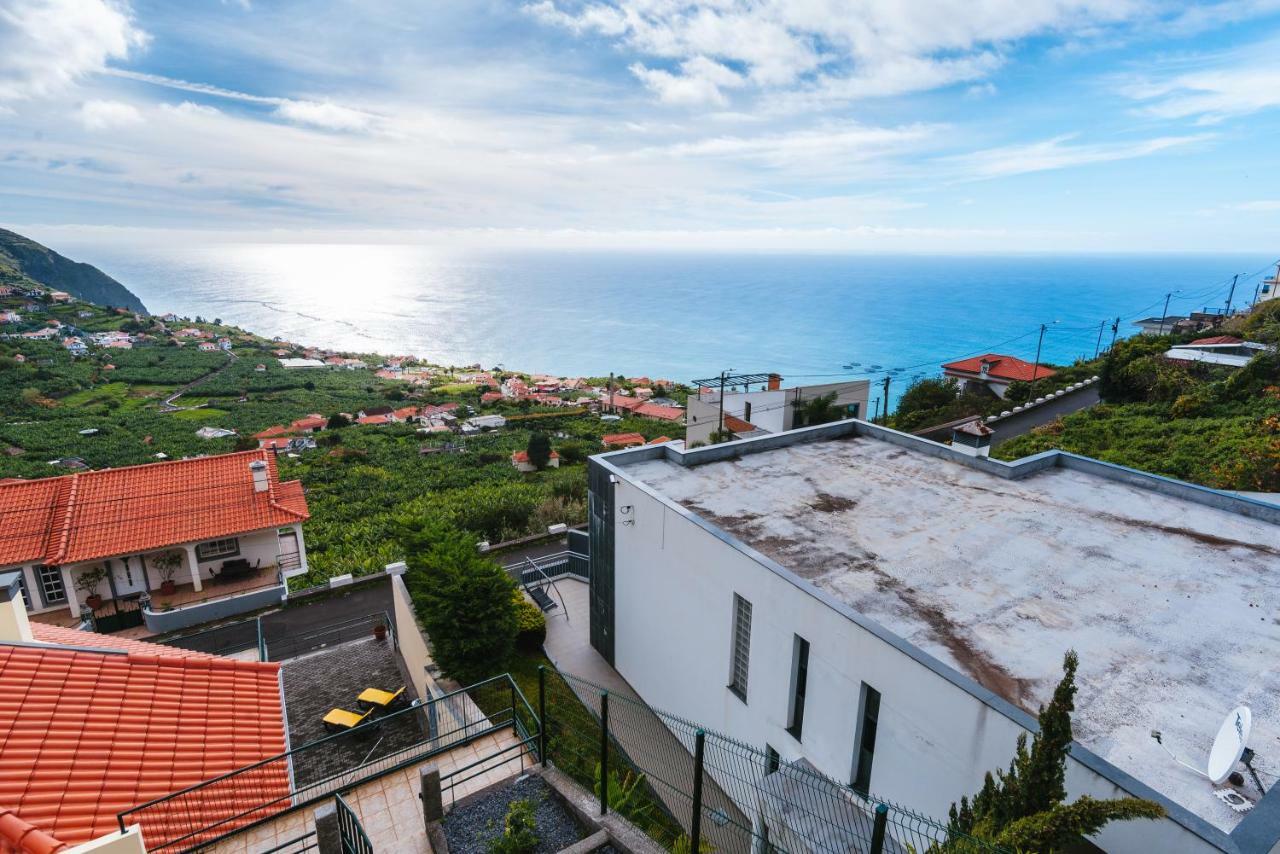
{"points": [[354, 839], [206, 812]]}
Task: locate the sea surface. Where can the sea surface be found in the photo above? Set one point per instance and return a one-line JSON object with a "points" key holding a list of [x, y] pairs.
{"points": [[679, 316]]}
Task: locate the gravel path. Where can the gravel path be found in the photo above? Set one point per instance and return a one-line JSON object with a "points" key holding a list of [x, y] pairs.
{"points": [[470, 828]]}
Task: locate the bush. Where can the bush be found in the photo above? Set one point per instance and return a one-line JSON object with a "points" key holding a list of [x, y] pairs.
{"points": [[519, 831], [531, 625], [574, 452], [466, 601]]}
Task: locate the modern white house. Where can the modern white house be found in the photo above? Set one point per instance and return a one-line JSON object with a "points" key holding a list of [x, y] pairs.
{"points": [[769, 408], [167, 545], [894, 611]]}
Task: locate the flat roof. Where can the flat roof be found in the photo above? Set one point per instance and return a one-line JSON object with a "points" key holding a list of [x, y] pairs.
{"points": [[1170, 603]]}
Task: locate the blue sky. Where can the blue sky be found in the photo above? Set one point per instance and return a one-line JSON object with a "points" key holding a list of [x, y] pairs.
{"points": [[889, 125]]}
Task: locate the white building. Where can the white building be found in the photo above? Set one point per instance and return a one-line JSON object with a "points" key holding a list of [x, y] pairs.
{"points": [[1223, 350], [769, 409], [893, 610]]}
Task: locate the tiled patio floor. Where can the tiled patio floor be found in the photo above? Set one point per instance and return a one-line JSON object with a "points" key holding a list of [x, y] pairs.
{"points": [[388, 807]]}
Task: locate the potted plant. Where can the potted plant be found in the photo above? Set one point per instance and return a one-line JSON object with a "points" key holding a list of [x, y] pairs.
{"points": [[167, 565], [380, 630], [87, 583]]}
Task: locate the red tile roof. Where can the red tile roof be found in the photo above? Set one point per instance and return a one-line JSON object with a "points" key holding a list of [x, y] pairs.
{"points": [[1001, 367], [45, 633], [374, 419], [277, 430], [654, 410], [1219, 339], [23, 836], [406, 412], [311, 422], [85, 735], [96, 514], [660, 440], [734, 424], [523, 456], [623, 439]]}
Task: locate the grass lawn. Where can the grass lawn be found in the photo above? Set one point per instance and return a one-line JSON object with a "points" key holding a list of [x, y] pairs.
{"points": [[93, 396], [204, 414], [455, 388]]}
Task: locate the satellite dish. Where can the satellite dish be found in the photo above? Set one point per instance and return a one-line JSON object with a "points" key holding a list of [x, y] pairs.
{"points": [[1230, 744]]}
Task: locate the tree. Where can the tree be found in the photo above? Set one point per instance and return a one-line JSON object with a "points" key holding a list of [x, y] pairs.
{"points": [[336, 421], [816, 410], [466, 601], [539, 450], [1022, 809]]}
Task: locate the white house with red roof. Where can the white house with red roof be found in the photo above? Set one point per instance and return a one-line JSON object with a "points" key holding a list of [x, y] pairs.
{"points": [[166, 544], [520, 459], [994, 372], [93, 725]]}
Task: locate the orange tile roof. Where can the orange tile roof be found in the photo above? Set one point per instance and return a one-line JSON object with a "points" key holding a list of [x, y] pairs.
{"points": [[1001, 367], [311, 422], [624, 439], [374, 419], [19, 835], [734, 424], [45, 633], [276, 430], [1219, 339], [523, 456], [660, 440], [655, 410], [96, 514], [85, 735]]}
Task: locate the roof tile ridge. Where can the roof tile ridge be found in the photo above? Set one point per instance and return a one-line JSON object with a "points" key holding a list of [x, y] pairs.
{"points": [[64, 535], [207, 662]]}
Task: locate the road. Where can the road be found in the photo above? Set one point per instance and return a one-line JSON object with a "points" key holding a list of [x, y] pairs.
{"points": [[168, 405]]}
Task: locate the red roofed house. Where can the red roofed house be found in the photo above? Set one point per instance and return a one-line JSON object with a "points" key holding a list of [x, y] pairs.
{"points": [[622, 440], [994, 373], [663, 413], [520, 459], [376, 419], [92, 725], [120, 542], [309, 424]]}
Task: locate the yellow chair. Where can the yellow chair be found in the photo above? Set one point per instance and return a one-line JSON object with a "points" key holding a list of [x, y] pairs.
{"points": [[339, 720], [377, 699]]}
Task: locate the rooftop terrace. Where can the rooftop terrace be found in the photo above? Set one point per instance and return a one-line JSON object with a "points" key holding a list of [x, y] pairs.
{"points": [[1171, 604]]}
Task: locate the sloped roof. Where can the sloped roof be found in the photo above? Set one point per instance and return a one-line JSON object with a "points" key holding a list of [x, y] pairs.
{"points": [[623, 439], [1219, 339], [64, 636], [734, 424], [657, 410], [523, 456], [85, 735], [95, 514], [1001, 367]]}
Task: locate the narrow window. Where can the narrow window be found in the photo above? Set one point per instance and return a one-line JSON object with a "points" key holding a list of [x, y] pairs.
{"points": [[866, 747], [52, 590], [771, 759], [741, 651], [799, 681], [746, 411]]}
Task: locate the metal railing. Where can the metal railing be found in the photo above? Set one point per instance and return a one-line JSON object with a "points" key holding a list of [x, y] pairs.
{"points": [[689, 788], [532, 571], [350, 831], [355, 628], [220, 640], [199, 815]]}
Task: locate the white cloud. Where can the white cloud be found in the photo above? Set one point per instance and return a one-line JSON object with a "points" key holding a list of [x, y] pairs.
{"points": [[324, 115], [822, 51], [105, 115], [700, 81], [1060, 153], [1211, 95], [1259, 206], [48, 45]]}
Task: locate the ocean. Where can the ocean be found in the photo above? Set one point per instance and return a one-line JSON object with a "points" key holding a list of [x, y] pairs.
{"points": [[679, 316]]}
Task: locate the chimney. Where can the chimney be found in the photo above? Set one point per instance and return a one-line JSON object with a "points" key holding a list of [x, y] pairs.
{"points": [[775, 382], [13, 610], [259, 470], [972, 439]]}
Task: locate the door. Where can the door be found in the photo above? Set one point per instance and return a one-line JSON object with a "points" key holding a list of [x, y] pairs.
{"points": [[127, 576], [290, 554]]}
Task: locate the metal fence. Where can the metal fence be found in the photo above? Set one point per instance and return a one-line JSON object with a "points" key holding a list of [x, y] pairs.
{"points": [[693, 790], [208, 811], [538, 570], [354, 839], [220, 640], [355, 628]]}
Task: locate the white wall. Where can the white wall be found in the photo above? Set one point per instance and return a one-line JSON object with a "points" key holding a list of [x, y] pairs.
{"points": [[702, 413], [674, 586]]}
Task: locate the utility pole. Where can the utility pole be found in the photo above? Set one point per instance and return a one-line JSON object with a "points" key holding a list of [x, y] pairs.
{"points": [[1098, 347], [1164, 316], [1035, 371], [886, 398], [1115, 328], [723, 376], [611, 392], [1232, 294]]}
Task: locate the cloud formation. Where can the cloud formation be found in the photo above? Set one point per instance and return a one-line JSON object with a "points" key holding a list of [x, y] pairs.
{"points": [[46, 46]]}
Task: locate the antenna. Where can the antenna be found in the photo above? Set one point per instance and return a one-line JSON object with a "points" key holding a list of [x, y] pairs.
{"points": [[1230, 746]]}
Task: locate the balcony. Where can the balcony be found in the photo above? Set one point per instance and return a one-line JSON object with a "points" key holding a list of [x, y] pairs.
{"points": [[187, 607]]}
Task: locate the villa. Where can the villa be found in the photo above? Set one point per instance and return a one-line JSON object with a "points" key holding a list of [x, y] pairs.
{"points": [[994, 373], [168, 545]]}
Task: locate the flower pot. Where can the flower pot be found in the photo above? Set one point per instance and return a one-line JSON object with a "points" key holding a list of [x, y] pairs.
{"points": [[380, 632], [94, 602], [168, 588]]}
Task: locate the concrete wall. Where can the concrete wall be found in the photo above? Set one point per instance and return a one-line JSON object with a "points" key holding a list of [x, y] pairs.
{"points": [[187, 616], [128, 842], [939, 731], [413, 646], [702, 412]]}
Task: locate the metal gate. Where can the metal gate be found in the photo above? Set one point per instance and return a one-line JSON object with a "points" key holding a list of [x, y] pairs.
{"points": [[116, 615], [354, 839]]}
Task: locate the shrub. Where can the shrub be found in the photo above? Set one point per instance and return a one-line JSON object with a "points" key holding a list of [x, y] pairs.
{"points": [[531, 625], [519, 831], [465, 600], [539, 450]]}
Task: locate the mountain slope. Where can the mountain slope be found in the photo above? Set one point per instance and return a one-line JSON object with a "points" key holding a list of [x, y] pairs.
{"points": [[23, 262]]}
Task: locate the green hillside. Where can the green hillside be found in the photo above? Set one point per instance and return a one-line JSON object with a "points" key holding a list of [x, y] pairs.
{"points": [[24, 262]]}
